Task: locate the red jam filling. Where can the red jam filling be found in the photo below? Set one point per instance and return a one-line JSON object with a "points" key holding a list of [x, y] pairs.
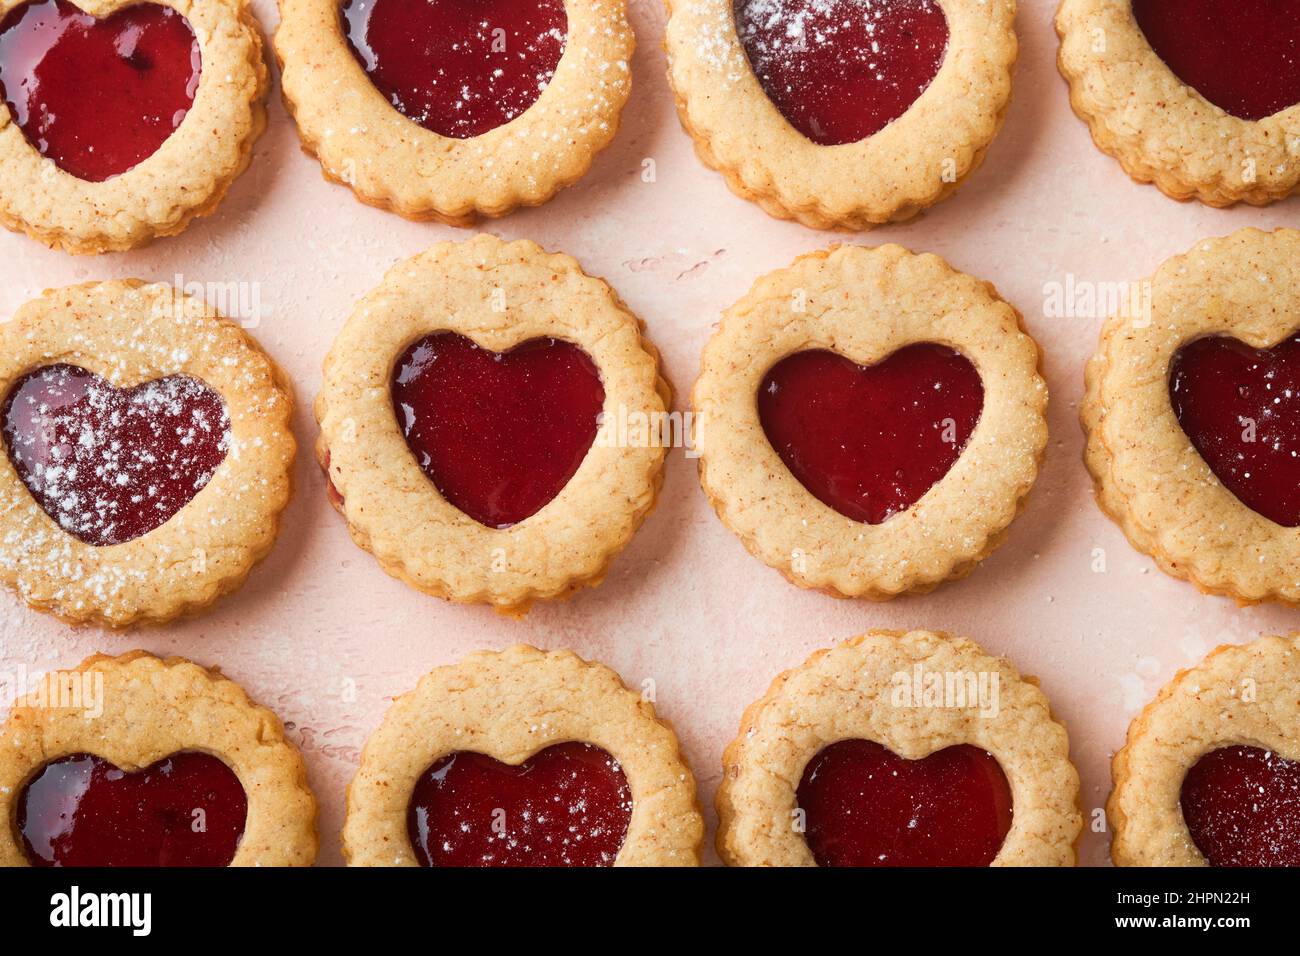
{"points": [[869, 441], [185, 810], [1244, 57], [842, 70], [112, 464], [1242, 807], [459, 68], [498, 433], [97, 96], [866, 806], [1241, 409], [568, 805]]}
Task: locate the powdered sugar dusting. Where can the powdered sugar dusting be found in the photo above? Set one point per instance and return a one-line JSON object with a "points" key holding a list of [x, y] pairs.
{"points": [[841, 70], [109, 464]]}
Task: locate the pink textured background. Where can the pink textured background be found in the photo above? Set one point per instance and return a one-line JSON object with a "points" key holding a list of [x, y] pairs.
{"points": [[685, 605]]}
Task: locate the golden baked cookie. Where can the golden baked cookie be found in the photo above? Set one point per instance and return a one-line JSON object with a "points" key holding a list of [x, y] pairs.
{"points": [[522, 758], [139, 761], [870, 421], [1210, 774], [899, 749], [501, 105], [838, 114], [1200, 97], [176, 106], [1190, 417], [148, 453], [492, 424]]}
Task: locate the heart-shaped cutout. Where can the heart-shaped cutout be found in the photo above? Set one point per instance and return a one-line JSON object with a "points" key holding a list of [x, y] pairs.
{"points": [[1242, 57], [185, 810], [869, 441], [498, 433], [459, 68], [111, 464], [864, 805], [1242, 807], [567, 805], [1241, 409], [97, 96], [842, 70]]}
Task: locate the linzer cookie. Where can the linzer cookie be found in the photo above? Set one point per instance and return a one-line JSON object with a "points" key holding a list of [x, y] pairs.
{"points": [[899, 749], [1210, 774], [124, 120], [501, 104], [1193, 418], [522, 758], [470, 424], [840, 114], [870, 421], [1200, 97], [148, 453], [139, 761]]}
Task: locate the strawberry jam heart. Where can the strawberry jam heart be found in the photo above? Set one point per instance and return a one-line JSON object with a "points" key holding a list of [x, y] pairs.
{"points": [[568, 805], [498, 433], [459, 68], [866, 806], [1241, 409], [97, 96], [842, 70], [1242, 57], [1242, 807], [185, 810], [112, 464], [870, 440]]}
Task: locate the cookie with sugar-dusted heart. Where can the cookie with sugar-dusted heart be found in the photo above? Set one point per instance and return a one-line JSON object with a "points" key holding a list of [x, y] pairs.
{"points": [[522, 758], [1200, 97], [1210, 772], [501, 104], [1192, 414], [493, 424], [139, 761], [148, 453], [837, 113], [899, 749], [124, 120], [870, 420]]}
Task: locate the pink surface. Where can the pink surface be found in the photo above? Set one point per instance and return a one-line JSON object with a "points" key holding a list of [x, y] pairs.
{"points": [[325, 638]]}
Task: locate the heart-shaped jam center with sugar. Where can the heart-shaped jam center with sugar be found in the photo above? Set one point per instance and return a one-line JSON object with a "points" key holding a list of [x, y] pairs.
{"points": [[1241, 409], [1244, 57], [111, 464], [1242, 807], [185, 810], [842, 70], [97, 96], [864, 805], [498, 433], [568, 805], [459, 68], [869, 441]]}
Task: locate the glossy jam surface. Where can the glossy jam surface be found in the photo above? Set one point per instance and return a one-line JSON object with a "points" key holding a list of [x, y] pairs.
{"points": [[112, 464], [498, 433], [185, 810], [1241, 55], [866, 806], [869, 441], [1241, 409], [1242, 807], [459, 68], [568, 805], [842, 70], [97, 96]]}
